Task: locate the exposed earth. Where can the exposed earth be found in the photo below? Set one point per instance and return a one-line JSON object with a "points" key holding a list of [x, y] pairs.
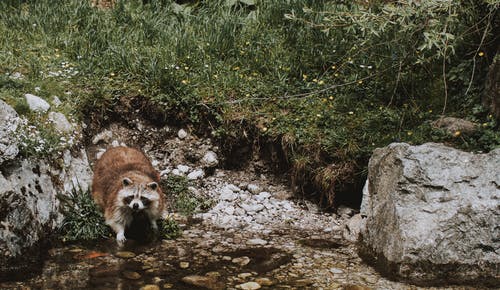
{"points": [[255, 235]]}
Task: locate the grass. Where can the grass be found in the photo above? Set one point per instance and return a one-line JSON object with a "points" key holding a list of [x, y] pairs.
{"points": [[274, 71], [183, 201]]}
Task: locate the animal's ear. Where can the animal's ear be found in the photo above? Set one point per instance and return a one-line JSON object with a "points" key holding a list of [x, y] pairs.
{"points": [[126, 181], [153, 185]]}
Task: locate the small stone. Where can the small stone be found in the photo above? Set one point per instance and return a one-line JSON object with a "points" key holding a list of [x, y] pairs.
{"points": [[210, 159], [168, 286], [177, 172], [227, 194], [263, 195], [104, 136], [203, 281], [197, 174], [36, 103], [249, 286], [56, 101], [244, 275], [226, 258], [253, 188], [150, 287], [252, 207], [336, 271], [242, 261], [302, 282], [184, 265], [125, 255], [256, 242], [60, 122], [264, 281], [131, 275], [183, 168], [182, 134]]}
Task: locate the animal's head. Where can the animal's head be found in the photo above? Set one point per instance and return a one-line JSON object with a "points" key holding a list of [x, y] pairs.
{"points": [[138, 194]]}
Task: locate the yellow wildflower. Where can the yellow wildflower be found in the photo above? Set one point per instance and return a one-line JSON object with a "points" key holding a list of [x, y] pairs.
{"points": [[457, 133], [481, 54]]}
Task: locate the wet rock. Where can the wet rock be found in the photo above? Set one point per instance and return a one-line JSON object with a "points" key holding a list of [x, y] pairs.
{"points": [[197, 174], [105, 271], [125, 254], [131, 275], [249, 286], [150, 287], [203, 282], [182, 134], [210, 159], [184, 265], [242, 261], [264, 281], [9, 121], [60, 122], [36, 103], [432, 213], [244, 275], [30, 208]]}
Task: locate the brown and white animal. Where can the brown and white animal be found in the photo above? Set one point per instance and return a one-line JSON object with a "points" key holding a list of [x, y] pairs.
{"points": [[124, 184]]}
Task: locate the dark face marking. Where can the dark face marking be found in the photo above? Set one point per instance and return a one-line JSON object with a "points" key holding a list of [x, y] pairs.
{"points": [[128, 199], [145, 201]]}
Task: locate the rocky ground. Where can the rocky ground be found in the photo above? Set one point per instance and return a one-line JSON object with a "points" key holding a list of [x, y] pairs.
{"points": [[256, 235]]}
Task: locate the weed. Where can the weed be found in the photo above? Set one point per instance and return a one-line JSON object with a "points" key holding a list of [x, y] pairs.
{"points": [[168, 229], [83, 221]]}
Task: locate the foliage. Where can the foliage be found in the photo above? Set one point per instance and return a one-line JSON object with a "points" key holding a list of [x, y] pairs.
{"points": [[83, 221], [169, 229], [328, 81], [185, 202]]}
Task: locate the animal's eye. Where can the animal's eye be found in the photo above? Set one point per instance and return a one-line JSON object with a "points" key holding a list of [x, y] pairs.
{"points": [[128, 199], [145, 201]]}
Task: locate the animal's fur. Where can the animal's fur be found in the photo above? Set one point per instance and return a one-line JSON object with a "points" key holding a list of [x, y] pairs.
{"points": [[125, 182]]}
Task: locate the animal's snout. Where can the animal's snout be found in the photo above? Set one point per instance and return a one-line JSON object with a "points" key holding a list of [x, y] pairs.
{"points": [[135, 206]]}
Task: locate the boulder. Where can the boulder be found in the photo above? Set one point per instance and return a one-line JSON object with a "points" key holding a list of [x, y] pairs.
{"points": [[30, 209], [455, 125], [432, 215], [36, 103], [9, 121]]}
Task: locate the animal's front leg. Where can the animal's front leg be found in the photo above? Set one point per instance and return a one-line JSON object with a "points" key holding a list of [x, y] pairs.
{"points": [[120, 233]]}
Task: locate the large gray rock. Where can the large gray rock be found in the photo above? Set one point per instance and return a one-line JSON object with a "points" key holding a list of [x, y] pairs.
{"points": [[433, 214], [29, 209], [9, 120]]}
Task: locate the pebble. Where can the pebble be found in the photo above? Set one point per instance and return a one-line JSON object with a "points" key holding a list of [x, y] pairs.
{"points": [[168, 286], [249, 286], [336, 271], [184, 265], [242, 261], [182, 134], [125, 254], [203, 281], [36, 103], [264, 281], [197, 174], [183, 168], [244, 275], [131, 275], [150, 287], [210, 159], [253, 188], [256, 242]]}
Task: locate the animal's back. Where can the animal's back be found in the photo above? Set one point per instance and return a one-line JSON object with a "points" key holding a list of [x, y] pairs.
{"points": [[113, 164]]}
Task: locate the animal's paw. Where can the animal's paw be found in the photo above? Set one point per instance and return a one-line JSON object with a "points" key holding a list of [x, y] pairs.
{"points": [[120, 239]]}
